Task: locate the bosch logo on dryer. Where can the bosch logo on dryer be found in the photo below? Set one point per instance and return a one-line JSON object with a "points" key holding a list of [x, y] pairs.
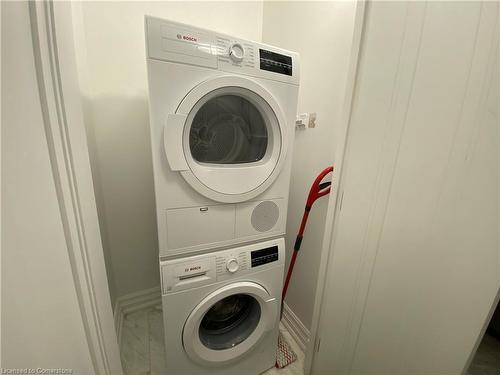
{"points": [[187, 37]]}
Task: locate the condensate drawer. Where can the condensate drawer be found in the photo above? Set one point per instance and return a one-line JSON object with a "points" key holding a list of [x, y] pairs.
{"points": [[199, 225]]}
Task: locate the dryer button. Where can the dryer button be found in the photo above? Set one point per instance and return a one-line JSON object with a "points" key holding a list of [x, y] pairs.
{"points": [[236, 52]]}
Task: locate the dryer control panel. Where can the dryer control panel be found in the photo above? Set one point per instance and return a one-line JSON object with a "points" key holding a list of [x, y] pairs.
{"points": [[231, 51], [180, 43], [275, 62], [194, 271]]}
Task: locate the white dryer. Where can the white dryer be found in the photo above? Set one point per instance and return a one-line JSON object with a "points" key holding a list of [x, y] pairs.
{"points": [[221, 310], [222, 115]]}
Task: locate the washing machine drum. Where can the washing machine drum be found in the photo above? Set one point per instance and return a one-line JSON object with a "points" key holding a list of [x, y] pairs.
{"points": [[229, 322], [227, 139]]}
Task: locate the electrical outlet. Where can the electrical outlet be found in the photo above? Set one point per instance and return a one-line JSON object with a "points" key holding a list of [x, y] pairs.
{"points": [[312, 120], [305, 120], [302, 121]]}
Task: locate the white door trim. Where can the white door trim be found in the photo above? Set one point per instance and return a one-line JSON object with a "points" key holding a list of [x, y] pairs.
{"points": [[336, 196], [57, 78]]}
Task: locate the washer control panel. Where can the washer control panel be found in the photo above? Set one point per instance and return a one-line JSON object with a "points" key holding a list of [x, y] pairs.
{"points": [[264, 256], [198, 270], [230, 263]]}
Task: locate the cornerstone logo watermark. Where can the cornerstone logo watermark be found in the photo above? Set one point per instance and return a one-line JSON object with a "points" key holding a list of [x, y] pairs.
{"points": [[38, 370]]}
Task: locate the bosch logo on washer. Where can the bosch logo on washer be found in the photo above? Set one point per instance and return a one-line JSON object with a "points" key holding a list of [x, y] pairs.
{"points": [[190, 269], [195, 267]]}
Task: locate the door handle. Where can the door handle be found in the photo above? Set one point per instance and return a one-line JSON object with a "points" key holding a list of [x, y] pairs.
{"points": [[272, 312], [172, 141]]}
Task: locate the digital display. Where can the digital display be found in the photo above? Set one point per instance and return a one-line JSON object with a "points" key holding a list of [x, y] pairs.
{"points": [[275, 62], [264, 256]]}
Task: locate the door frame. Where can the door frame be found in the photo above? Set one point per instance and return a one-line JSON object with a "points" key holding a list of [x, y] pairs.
{"points": [[56, 70], [334, 212], [335, 199]]}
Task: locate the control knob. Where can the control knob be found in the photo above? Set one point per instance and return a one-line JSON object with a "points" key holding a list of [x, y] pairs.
{"points": [[232, 265], [236, 52]]}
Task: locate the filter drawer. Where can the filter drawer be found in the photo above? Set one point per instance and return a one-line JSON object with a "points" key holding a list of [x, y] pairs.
{"points": [[199, 225]]}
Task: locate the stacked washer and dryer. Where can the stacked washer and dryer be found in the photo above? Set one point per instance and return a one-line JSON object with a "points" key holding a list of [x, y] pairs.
{"points": [[222, 115]]}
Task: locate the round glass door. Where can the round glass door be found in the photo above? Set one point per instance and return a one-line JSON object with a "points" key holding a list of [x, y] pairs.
{"points": [[229, 322], [228, 129], [234, 139], [231, 126]]}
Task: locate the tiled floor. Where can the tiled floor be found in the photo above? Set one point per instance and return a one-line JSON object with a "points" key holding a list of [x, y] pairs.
{"points": [[142, 345], [487, 359]]}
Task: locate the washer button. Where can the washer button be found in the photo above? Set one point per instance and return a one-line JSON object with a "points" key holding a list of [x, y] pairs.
{"points": [[232, 265]]}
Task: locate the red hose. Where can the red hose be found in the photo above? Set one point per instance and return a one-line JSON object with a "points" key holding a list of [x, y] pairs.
{"points": [[318, 189]]}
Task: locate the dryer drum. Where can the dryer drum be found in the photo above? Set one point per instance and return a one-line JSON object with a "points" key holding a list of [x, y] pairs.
{"points": [[228, 129]]}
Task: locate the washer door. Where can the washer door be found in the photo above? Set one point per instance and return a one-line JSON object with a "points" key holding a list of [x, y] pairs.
{"points": [[228, 323], [227, 138]]}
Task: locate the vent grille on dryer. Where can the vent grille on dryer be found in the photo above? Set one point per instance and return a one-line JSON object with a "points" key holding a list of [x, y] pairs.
{"points": [[265, 216]]}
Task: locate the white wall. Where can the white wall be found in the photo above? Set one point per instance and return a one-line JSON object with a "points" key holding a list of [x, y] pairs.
{"points": [[109, 39], [41, 320], [321, 32]]}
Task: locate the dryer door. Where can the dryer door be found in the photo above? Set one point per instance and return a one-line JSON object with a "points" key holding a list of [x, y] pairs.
{"points": [[227, 138], [228, 323]]}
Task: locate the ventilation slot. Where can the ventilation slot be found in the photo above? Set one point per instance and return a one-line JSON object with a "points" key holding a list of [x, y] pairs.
{"points": [[265, 216]]}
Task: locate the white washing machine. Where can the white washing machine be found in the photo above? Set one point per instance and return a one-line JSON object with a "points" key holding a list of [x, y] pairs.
{"points": [[222, 115], [221, 310]]}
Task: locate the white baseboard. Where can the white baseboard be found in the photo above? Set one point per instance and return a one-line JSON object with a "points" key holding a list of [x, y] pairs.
{"points": [[133, 302], [297, 329]]}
